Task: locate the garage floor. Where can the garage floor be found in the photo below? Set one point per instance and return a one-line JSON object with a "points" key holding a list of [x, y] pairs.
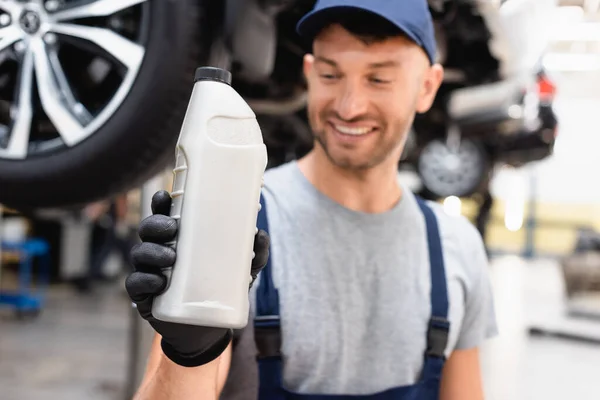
{"points": [[77, 349], [520, 367]]}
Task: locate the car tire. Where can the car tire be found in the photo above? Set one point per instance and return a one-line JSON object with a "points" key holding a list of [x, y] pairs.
{"points": [[470, 169], [138, 139]]}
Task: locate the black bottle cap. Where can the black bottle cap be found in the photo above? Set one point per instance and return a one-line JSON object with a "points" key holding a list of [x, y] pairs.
{"points": [[212, 74]]}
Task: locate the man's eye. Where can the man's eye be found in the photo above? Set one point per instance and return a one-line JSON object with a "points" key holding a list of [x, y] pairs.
{"points": [[328, 76], [378, 81]]}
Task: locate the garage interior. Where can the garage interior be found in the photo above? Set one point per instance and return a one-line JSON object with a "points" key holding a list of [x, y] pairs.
{"points": [[542, 232]]}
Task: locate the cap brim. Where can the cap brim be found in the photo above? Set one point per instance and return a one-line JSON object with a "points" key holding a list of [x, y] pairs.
{"points": [[312, 23]]}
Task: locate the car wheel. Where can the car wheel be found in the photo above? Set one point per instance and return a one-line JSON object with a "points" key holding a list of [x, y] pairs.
{"points": [[93, 93], [446, 171]]}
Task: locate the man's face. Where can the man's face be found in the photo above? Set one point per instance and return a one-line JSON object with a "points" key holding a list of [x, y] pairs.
{"points": [[362, 98]]}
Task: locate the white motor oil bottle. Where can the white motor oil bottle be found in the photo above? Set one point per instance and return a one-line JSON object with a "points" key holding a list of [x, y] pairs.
{"points": [[220, 163]]}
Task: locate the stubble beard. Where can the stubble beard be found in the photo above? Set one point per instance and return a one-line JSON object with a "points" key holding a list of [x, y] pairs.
{"points": [[383, 151]]}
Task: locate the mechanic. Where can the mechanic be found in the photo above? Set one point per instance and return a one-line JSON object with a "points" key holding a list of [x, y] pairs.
{"points": [[368, 291]]}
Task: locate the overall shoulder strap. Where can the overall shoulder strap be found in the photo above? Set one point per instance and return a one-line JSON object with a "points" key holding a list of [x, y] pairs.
{"points": [[267, 328], [267, 296], [439, 326]]}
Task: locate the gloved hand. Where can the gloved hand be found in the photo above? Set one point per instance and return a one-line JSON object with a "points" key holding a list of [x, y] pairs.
{"points": [[186, 345]]}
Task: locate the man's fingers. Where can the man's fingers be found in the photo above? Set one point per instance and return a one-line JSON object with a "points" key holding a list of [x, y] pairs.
{"points": [[152, 255], [158, 229], [261, 251], [141, 285], [161, 203], [144, 307]]}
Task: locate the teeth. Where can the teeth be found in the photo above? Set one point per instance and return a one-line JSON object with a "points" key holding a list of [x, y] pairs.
{"points": [[352, 131]]}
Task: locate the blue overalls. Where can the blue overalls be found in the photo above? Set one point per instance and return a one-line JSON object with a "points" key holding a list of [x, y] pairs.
{"points": [[267, 331]]}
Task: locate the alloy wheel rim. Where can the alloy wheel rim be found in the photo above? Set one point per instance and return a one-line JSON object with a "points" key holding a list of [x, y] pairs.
{"points": [[66, 66], [450, 171]]}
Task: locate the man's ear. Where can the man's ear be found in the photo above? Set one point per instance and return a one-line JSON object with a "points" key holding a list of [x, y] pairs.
{"points": [[432, 81], [307, 65]]}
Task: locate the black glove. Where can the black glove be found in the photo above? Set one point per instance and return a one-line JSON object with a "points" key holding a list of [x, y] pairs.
{"points": [[186, 345]]}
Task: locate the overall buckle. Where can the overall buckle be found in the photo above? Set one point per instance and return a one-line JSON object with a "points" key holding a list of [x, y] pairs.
{"points": [[437, 337], [267, 335]]}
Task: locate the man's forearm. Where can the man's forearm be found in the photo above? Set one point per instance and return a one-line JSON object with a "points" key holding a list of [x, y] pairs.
{"points": [[173, 382]]}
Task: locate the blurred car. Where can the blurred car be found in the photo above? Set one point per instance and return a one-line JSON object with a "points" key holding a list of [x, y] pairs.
{"points": [[499, 112], [93, 92], [509, 122]]}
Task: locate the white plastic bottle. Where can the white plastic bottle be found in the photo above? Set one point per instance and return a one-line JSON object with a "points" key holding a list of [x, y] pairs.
{"points": [[221, 160]]}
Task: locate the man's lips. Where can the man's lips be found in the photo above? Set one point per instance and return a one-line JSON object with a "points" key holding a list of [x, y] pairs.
{"points": [[353, 130]]}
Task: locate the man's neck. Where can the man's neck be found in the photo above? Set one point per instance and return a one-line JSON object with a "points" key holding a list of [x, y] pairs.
{"points": [[375, 190]]}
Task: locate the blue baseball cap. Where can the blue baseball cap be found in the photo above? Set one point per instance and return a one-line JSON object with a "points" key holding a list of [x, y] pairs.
{"points": [[412, 17]]}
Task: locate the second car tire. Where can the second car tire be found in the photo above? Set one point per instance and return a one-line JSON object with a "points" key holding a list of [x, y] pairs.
{"points": [[445, 172]]}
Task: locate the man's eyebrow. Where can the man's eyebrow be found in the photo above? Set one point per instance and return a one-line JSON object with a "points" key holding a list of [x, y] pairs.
{"points": [[384, 64], [381, 64], [326, 61]]}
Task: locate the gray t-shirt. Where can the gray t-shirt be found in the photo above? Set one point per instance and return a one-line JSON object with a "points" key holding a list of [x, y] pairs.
{"points": [[354, 291]]}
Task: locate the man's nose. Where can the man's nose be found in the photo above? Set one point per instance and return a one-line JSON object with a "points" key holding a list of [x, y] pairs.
{"points": [[352, 102]]}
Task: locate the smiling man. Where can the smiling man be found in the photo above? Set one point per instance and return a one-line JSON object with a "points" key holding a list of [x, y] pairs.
{"points": [[369, 292]]}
